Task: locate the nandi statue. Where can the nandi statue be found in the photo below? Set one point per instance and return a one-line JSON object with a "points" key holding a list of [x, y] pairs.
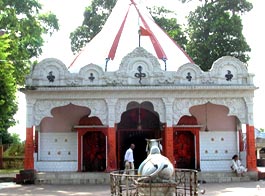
{"points": [[156, 166]]}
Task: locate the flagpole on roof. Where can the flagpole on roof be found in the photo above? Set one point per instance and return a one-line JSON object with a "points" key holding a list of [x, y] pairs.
{"points": [[106, 65], [165, 61], [139, 40]]}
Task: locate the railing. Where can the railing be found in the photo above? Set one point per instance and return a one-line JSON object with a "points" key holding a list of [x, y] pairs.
{"points": [[184, 183]]}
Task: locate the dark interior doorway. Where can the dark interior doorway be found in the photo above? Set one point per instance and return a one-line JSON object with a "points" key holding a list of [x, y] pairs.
{"points": [[184, 150], [138, 138], [94, 151], [138, 123]]}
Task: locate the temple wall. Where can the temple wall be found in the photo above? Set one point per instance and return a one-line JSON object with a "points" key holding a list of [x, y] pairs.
{"points": [[217, 149], [58, 146], [54, 94], [55, 166], [216, 117], [57, 152]]}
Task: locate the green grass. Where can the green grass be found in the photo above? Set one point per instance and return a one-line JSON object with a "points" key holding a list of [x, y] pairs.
{"points": [[8, 171]]}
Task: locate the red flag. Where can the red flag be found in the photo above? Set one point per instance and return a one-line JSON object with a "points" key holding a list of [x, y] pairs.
{"points": [[144, 32]]}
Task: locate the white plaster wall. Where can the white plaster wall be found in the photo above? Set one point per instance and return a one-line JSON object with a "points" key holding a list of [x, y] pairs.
{"points": [[55, 166], [58, 146], [57, 152], [217, 149]]}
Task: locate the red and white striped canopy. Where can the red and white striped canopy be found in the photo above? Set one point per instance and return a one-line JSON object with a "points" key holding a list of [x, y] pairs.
{"points": [[120, 36]]}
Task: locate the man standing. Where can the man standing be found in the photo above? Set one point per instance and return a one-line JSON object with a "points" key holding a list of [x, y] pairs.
{"points": [[129, 161], [128, 158]]}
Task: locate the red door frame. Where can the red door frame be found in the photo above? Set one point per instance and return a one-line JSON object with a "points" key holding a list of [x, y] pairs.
{"points": [[81, 131], [195, 130]]}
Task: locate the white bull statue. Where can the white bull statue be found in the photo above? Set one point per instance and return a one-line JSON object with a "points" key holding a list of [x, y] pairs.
{"points": [[156, 166]]}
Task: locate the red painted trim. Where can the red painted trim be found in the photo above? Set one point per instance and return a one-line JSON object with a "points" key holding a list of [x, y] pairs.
{"points": [[168, 144], [79, 147], [75, 58], [115, 43], [196, 132], [80, 133], [251, 148], [29, 149], [161, 54], [183, 51], [158, 49], [112, 159]]}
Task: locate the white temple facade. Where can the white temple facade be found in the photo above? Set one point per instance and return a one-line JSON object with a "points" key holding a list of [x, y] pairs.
{"points": [[84, 120]]}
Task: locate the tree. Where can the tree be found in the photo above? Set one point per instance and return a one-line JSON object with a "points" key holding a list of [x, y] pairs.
{"points": [[215, 30], [21, 30], [22, 21], [8, 105], [95, 16], [97, 13], [167, 20]]}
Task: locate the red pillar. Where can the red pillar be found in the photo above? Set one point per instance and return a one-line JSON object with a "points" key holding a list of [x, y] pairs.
{"points": [[29, 149], [112, 160], [198, 155], [251, 145], [79, 150], [168, 144]]}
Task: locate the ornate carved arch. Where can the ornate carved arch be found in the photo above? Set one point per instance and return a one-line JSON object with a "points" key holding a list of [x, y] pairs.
{"points": [[157, 103], [42, 108], [237, 107]]}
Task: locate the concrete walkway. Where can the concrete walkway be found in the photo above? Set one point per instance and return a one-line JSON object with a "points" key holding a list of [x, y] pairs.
{"points": [[253, 188]]}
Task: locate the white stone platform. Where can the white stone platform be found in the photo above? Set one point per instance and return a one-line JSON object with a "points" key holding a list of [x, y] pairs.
{"points": [[104, 177], [225, 177], [72, 178]]}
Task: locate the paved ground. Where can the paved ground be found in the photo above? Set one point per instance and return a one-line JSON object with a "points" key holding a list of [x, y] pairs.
{"points": [[256, 188]]}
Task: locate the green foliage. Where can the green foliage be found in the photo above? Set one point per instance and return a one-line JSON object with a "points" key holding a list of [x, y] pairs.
{"points": [[11, 164], [20, 19], [95, 16], [8, 105], [21, 30], [15, 149], [9, 171], [15, 138], [47, 21], [215, 30], [167, 20]]}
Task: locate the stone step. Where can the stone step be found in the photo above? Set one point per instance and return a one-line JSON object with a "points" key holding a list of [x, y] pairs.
{"points": [[220, 177], [72, 178], [104, 178]]}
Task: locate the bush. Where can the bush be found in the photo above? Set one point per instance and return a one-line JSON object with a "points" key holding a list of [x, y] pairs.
{"points": [[15, 149], [16, 162]]}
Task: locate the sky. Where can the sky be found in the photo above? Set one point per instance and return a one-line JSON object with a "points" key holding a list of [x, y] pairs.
{"points": [[70, 15]]}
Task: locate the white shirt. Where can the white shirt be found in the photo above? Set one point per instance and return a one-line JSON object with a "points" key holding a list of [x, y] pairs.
{"points": [[129, 155]]}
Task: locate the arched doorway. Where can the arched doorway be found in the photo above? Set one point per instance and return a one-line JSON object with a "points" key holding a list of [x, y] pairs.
{"points": [[186, 143], [184, 150], [138, 122], [94, 151], [91, 145]]}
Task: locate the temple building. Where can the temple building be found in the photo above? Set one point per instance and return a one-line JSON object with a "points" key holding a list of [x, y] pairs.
{"points": [[130, 83]]}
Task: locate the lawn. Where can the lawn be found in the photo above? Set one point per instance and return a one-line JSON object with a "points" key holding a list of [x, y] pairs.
{"points": [[8, 171]]}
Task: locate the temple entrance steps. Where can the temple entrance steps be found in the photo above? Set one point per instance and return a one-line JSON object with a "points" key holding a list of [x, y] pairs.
{"points": [[104, 177], [72, 178], [226, 176]]}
